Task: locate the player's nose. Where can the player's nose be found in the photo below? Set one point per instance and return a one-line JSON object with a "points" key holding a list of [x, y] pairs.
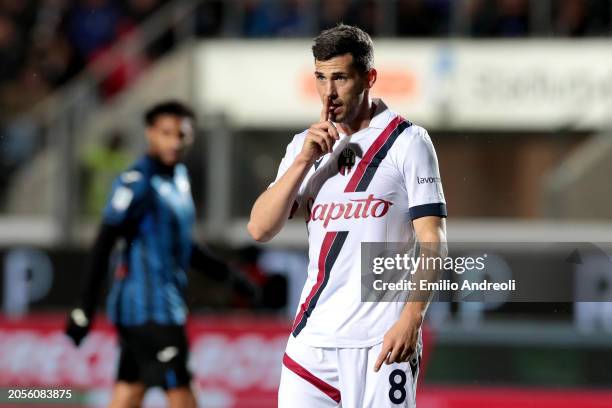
{"points": [[331, 91]]}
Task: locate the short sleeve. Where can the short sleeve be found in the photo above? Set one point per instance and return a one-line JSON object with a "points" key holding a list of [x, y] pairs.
{"points": [[292, 150], [290, 153], [127, 199], [419, 167]]}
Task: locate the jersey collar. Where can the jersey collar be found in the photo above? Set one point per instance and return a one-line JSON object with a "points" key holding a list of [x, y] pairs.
{"points": [[382, 115]]}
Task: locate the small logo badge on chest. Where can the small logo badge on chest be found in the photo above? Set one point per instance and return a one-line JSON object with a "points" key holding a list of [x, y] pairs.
{"points": [[346, 161]]}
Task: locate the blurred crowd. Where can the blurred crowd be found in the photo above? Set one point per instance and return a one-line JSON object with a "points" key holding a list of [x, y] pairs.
{"points": [[428, 18], [46, 43]]}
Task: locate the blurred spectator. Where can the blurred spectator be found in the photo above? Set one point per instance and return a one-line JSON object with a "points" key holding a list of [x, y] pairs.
{"points": [[49, 18], [45, 43], [29, 88], [503, 18], [56, 59], [18, 143], [18, 137], [439, 12], [481, 15], [93, 25], [413, 19], [209, 18], [571, 18], [334, 12], [292, 18], [118, 67], [11, 49], [140, 10], [273, 283], [102, 163], [266, 18], [368, 16], [258, 18], [576, 18], [21, 12], [248, 258], [512, 18], [136, 12]]}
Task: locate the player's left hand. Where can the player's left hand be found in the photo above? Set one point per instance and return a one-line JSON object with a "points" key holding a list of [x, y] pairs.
{"points": [[400, 341]]}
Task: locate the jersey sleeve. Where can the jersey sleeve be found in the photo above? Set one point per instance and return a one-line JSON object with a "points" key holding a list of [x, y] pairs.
{"points": [[127, 199], [419, 167], [293, 148], [291, 152]]}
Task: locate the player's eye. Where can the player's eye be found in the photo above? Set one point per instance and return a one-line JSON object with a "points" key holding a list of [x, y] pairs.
{"points": [[320, 77]]}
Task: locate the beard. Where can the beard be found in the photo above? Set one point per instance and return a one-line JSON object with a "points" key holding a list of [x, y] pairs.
{"points": [[346, 114], [349, 107]]}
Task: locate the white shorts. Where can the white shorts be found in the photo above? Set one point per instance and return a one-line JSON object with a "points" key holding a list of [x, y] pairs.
{"points": [[314, 377]]}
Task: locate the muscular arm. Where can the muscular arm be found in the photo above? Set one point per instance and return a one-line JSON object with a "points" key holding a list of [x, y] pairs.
{"points": [[400, 341], [273, 206], [431, 234]]}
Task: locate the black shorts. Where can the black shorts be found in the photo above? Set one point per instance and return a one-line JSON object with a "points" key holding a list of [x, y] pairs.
{"points": [[154, 355]]}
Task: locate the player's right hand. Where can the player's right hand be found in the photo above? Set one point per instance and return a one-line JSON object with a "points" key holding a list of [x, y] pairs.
{"points": [[77, 326], [321, 136]]}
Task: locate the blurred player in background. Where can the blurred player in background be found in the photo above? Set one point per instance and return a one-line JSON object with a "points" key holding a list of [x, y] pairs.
{"points": [[151, 215], [361, 173]]}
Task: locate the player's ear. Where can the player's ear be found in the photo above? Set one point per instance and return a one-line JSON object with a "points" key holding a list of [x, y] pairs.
{"points": [[187, 130], [371, 76]]}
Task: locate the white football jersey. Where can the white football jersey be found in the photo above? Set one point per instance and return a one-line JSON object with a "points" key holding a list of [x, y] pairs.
{"points": [[369, 189]]}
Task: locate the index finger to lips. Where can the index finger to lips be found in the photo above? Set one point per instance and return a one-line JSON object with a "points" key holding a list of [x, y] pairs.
{"points": [[322, 139], [325, 109], [331, 129]]}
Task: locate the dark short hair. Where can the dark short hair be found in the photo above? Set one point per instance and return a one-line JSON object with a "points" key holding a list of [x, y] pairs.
{"points": [[345, 39], [175, 108]]}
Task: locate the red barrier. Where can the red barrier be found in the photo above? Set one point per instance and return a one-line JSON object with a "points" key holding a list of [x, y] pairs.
{"points": [[235, 361], [498, 397]]}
